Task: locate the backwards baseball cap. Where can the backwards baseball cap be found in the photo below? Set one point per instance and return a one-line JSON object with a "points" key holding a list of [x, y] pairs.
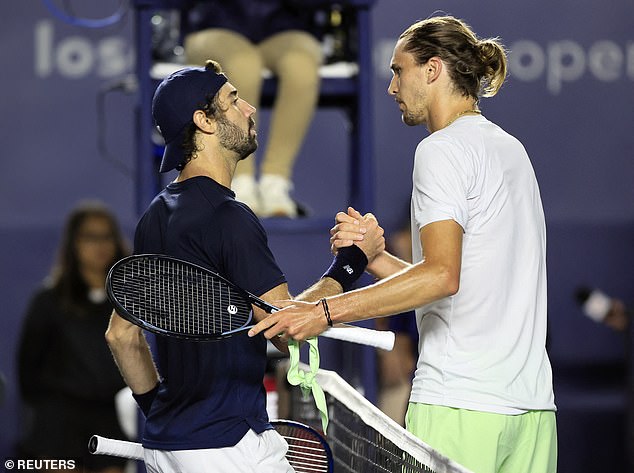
{"points": [[174, 103]]}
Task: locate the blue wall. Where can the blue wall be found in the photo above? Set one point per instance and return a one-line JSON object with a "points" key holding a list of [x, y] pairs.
{"points": [[569, 98]]}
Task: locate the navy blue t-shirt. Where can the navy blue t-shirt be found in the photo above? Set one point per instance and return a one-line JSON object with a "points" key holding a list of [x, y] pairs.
{"points": [[211, 392]]}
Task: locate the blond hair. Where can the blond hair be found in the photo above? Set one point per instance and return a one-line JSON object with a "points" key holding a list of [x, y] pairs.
{"points": [[477, 67]]}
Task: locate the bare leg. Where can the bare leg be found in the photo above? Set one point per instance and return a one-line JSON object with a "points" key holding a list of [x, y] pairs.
{"points": [[294, 57]]}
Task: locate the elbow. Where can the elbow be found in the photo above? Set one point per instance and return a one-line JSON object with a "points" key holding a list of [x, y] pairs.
{"points": [[453, 286], [449, 279]]}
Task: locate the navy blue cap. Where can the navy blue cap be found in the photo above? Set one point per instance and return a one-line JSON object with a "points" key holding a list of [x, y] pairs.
{"points": [[174, 103]]}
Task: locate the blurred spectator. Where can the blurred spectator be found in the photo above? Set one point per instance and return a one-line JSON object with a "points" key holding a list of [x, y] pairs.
{"points": [[247, 37], [613, 313], [603, 309], [67, 377], [396, 367]]}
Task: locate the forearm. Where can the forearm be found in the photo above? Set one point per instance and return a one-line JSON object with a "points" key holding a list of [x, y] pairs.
{"points": [[325, 287], [412, 287], [132, 355], [385, 265], [434, 278], [437, 277]]}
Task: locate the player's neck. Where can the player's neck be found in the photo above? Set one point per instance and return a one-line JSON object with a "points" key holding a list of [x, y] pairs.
{"points": [[219, 170], [449, 110]]}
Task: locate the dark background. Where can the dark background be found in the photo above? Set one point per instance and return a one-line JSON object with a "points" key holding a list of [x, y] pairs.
{"points": [[569, 98]]}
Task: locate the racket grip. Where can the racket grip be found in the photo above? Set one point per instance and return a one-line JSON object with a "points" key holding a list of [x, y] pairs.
{"points": [[119, 448], [383, 339]]}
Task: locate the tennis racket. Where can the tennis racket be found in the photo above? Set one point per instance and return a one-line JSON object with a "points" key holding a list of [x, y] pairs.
{"points": [[307, 452], [168, 296]]}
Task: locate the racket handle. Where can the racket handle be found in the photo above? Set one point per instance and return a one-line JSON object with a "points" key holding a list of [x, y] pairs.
{"points": [[383, 339], [119, 448]]}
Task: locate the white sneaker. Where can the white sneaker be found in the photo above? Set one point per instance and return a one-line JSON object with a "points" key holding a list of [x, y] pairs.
{"points": [[274, 197], [246, 190]]}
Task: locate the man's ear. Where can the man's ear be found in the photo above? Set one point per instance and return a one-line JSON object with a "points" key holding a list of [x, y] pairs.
{"points": [[433, 68], [203, 122]]}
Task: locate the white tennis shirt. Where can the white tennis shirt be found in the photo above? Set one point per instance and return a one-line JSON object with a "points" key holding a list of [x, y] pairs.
{"points": [[483, 348]]}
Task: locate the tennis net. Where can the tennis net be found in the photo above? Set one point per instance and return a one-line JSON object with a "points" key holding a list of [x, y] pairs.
{"points": [[362, 438]]}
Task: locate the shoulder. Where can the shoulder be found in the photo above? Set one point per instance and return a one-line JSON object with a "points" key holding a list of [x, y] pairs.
{"points": [[234, 210], [237, 222], [448, 138], [242, 244], [440, 151], [459, 146]]}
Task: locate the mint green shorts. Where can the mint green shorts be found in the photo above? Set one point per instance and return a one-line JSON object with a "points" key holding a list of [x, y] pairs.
{"points": [[488, 443]]}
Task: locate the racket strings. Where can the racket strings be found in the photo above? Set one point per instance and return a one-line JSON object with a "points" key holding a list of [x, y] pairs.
{"points": [[178, 298], [305, 452]]}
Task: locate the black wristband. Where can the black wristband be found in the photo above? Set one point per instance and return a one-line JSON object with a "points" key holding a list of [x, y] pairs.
{"points": [[324, 304], [347, 266], [145, 400]]}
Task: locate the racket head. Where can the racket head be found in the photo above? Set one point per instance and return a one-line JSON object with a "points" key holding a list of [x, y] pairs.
{"points": [[169, 296], [308, 450]]}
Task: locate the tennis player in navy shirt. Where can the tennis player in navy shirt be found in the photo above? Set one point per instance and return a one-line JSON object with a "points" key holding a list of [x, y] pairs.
{"points": [[204, 402]]}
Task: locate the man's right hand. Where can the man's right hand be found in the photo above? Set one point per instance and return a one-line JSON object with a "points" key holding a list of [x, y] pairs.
{"points": [[361, 230]]}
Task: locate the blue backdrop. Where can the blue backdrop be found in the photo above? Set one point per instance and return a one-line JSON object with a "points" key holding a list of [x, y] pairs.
{"points": [[569, 98]]}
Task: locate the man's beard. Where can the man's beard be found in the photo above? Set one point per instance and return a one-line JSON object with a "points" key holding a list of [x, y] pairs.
{"points": [[233, 138], [412, 118]]}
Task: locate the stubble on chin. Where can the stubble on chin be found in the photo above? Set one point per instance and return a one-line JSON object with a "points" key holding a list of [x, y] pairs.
{"points": [[411, 120], [249, 150]]}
